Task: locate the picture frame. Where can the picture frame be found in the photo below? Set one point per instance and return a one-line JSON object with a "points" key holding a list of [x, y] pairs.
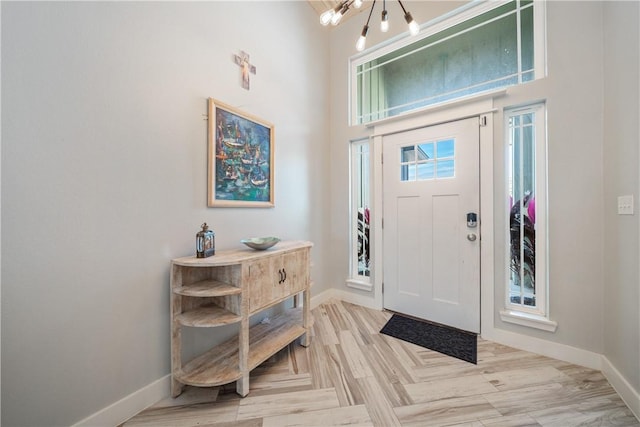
{"points": [[240, 158]]}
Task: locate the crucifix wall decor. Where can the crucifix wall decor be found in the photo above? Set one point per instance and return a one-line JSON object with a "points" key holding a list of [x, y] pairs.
{"points": [[243, 61]]}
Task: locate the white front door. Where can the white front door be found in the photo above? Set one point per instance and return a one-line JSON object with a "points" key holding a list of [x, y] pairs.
{"points": [[431, 252]]}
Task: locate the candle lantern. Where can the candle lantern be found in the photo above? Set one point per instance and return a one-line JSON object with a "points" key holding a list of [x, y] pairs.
{"points": [[205, 242]]}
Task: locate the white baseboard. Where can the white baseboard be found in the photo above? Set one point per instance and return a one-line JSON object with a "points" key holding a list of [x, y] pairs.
{"points": [[630, 396], [545, 348], [323, 297], [350, 297], [132, 404], [125, 408]]}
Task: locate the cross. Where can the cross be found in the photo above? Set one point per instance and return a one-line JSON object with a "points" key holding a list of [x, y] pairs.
{"points": [[243, 61]]}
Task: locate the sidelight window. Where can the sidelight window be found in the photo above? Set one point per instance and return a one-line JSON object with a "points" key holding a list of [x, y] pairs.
{"points": [[527, 286], [360, 215]]}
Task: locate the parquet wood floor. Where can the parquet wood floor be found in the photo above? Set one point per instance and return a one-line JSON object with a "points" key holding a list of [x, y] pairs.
{"points": [[352, 375]]}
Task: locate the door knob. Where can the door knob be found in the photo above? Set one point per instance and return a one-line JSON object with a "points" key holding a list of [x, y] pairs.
{"points": [[471, 237]]}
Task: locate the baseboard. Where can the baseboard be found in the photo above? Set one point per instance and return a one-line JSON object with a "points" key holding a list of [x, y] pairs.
{"points": [[125, 408], [534, 345], [551, 349], [630, 396], [120, 411], [323, 297], [350, 297]]}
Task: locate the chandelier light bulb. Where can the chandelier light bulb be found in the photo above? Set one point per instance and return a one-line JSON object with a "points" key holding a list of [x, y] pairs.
{"points": [[326, 16], [414, 28], [384, 23], [340, 10], [334, 16], [361, 43], [335, 19], [363, 39]]}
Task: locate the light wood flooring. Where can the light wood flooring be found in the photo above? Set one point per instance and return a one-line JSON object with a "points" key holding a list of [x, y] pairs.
{"points": [[352, 375]]}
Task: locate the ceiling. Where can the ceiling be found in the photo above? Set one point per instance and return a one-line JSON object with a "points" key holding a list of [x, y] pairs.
{"points": [[323, 5]]}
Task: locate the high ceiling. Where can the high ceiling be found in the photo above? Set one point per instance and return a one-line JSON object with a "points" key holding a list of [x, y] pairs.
{"points": [[322, 5]]}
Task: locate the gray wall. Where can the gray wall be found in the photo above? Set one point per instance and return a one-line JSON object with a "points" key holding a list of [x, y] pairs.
{"points": [[621, 165], [583, 97], [575, 183], [104, 175]]}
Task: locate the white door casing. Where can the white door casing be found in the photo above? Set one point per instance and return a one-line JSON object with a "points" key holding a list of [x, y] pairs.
{"points": [[431, 255]]}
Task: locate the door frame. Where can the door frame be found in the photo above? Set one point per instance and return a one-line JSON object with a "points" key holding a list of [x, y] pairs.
{"points": [[453, 303], [481, 107]]}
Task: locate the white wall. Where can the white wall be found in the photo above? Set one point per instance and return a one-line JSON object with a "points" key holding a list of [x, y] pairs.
{"points": [[104, 179], [621, 165]]}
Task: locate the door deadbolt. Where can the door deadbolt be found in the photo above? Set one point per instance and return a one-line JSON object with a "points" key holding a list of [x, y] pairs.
{"points": [[472, 220]]}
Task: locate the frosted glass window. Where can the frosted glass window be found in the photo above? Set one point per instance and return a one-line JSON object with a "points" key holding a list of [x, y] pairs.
{"points": [[522, 214], [360, 194], [526, 174], [492, 50]]}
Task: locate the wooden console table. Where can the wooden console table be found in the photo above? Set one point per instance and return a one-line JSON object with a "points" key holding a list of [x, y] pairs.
{"points": [[228, 288]]}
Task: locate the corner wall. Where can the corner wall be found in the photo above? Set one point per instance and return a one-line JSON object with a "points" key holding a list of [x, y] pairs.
{"points": [[104, 169], [621, 154]]}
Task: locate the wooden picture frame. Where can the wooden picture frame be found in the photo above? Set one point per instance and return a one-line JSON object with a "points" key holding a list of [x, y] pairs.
{"points": [[240, 159]]}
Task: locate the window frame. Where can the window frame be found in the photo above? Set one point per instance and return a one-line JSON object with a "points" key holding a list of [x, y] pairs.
{"points": [[537, 317], [355, 279], [435, 26]]}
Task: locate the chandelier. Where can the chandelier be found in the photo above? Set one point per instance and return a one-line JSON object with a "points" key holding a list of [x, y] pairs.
{"points": [[335, 14]]}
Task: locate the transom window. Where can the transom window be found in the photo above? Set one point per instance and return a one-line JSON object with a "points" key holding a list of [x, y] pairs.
{"points": [[481, 47], [427, 160]]}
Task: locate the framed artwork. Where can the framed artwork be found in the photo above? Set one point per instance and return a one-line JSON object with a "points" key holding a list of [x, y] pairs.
{"points": [[241, 168]]}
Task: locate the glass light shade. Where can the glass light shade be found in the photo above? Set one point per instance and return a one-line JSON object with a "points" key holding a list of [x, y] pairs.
{"points": [[414, 28], [357, 4], [363, 39], [325, 18], [335, 19], [384, 23]]}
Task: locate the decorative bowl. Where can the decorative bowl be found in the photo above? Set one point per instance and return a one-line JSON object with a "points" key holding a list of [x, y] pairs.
{"points": [[260, 243]]}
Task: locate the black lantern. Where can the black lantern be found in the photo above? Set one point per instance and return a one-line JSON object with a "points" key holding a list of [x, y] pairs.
{"points": [[205, 242]]}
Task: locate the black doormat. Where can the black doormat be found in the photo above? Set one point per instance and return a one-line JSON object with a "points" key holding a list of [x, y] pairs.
{"points": [[443, 339]]}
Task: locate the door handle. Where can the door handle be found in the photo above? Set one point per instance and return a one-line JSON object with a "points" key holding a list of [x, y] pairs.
{"points": [[471, 237]]}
